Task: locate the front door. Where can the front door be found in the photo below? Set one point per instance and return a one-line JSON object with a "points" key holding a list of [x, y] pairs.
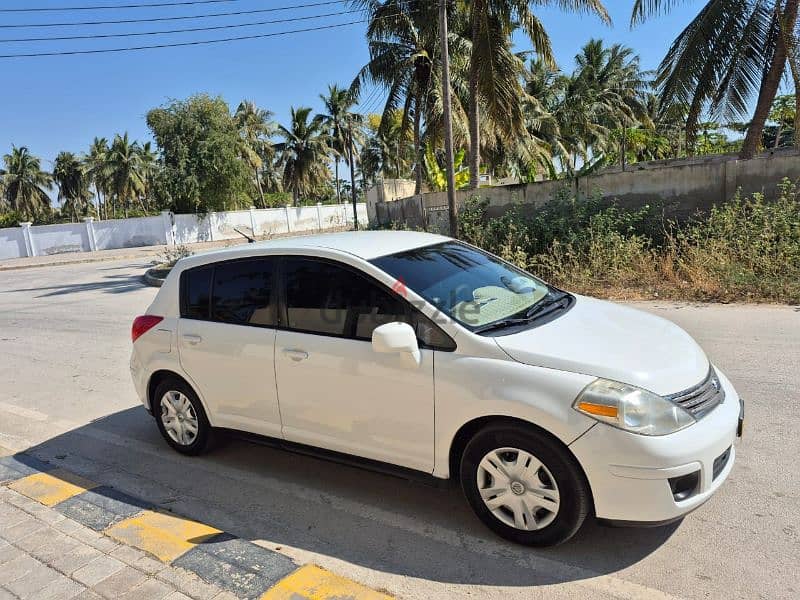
{"points": [[226, 340], [334, 391]]}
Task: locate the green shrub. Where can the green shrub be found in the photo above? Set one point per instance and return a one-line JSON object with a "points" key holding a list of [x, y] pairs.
{"points": [[746, 249], [11, 219]]}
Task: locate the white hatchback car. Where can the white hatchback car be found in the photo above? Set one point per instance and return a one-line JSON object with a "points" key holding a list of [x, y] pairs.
{"points": [[424, 353]]}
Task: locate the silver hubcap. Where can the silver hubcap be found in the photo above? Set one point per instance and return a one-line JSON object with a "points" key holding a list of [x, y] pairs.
{"points": [[179, 418], [518, 489]]}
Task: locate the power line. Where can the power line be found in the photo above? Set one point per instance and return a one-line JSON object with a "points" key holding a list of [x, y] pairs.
{"points": [[170, 31], [192, 43], [376, 102], [112, 6], [174, 18], [369, 100], [178, 44]]}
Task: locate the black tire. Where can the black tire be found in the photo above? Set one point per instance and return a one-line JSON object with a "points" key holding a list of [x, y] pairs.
{"points": [[203, 441], [573, 490]]}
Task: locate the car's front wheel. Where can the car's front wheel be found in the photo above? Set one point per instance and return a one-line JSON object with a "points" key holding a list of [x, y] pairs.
{"points": [[180, 417], [523, 485]]}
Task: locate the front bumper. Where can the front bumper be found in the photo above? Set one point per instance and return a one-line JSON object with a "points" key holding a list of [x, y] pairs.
{"points": [[630, 474]]}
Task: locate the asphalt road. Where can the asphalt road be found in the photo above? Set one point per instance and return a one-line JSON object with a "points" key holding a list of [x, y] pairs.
{"points": [[65, 393]]}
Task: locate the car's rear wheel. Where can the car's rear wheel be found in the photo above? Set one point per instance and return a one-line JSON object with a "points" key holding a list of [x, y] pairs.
{"points": [[524, 485], [181, 418]]}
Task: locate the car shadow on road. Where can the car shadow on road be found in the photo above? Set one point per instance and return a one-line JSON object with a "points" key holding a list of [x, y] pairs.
{"points": [[283, 499]]}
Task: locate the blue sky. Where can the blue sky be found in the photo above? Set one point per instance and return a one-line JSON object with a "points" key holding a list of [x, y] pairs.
{"points": [[62, 103]]}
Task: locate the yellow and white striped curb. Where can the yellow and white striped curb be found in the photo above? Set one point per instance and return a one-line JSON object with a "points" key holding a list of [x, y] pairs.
{"points": [[237, 565]]}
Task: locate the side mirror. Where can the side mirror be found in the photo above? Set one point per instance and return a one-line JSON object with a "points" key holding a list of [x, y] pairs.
{"points": [[396, 338]]}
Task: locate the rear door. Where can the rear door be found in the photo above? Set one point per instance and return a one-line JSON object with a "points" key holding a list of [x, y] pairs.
{"points": [[335, 391], [226, 337]]}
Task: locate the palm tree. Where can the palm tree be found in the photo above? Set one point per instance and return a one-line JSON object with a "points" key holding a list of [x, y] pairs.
{"points": [[256, 128], [580, 116], [732, 50], [494, 69], [403, 43], [387, 149], [126, 180], [608, 87], [303, 153], [148, 161], [25, 183], [338, 119], [97, 171], [70, 176]]}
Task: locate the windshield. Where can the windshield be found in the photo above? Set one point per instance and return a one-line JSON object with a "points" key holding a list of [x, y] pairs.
{"points": [[468, 285]]}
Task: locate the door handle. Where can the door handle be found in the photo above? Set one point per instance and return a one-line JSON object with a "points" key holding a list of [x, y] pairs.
{"points": [[192, 339], [295, 354]]}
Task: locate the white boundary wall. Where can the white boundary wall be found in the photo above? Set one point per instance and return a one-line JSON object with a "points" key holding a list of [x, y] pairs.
{"points": [[172, 229]]}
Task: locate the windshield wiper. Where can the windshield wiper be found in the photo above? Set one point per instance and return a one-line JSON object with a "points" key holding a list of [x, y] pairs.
{"points": [[502, 324], [540, 309]]}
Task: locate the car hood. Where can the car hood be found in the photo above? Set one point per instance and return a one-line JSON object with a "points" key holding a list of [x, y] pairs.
{"points": [[603, 339]]}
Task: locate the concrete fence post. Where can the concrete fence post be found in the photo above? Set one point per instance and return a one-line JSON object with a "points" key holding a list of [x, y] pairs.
{"points": [[253, 220], [211, 219], [319, 215], [169, 227], [288, 218], [90, 233], [26, 234]]}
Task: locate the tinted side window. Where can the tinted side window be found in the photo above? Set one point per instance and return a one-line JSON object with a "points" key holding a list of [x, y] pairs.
{"points": [[324, 298], [242, 292], [196, 288]]}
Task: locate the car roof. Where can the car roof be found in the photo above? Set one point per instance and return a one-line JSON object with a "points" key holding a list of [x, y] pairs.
{"points": [[366, 245]]}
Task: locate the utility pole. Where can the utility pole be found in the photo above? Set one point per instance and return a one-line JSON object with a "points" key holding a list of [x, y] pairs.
{"points": [[353, 178], [448, 123]]}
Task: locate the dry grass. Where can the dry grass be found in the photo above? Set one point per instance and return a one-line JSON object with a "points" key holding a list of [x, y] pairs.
{"points": [[747, 250]]}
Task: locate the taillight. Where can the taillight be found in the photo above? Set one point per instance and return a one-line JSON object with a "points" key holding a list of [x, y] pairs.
{"points": [[142, 324]]}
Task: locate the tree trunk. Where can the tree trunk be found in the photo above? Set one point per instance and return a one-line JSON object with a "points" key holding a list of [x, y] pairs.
{"points": [[769, 85], [474, 113], [796, 115], [417, 150], [338, 185], [793, 56], [260, 189], [99, 202], [778, 134]]}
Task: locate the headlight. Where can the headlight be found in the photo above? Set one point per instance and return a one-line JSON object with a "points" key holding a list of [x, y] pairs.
{"points": [[631, 408]]}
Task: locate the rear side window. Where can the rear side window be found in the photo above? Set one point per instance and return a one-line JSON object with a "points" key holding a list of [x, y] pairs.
{"points": [[196, 285], [243, 292]]}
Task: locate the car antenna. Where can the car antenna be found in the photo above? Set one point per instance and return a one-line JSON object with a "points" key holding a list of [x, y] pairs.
{"points": [[250, 239]]}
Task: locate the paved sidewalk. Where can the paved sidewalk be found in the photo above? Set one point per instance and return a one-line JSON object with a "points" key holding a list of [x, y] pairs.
{"points": [[63, 537], [44, 555]]}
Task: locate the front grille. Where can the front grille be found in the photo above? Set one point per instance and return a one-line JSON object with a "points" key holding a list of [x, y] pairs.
{"points": [[720, 462], [702, 398]]}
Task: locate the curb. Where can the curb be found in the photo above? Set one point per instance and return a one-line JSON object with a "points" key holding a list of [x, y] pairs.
{"points": [[238, 566], [151, 279]]}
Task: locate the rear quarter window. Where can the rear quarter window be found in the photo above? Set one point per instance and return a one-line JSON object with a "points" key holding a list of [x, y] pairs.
{"points": [[196, 293]]}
